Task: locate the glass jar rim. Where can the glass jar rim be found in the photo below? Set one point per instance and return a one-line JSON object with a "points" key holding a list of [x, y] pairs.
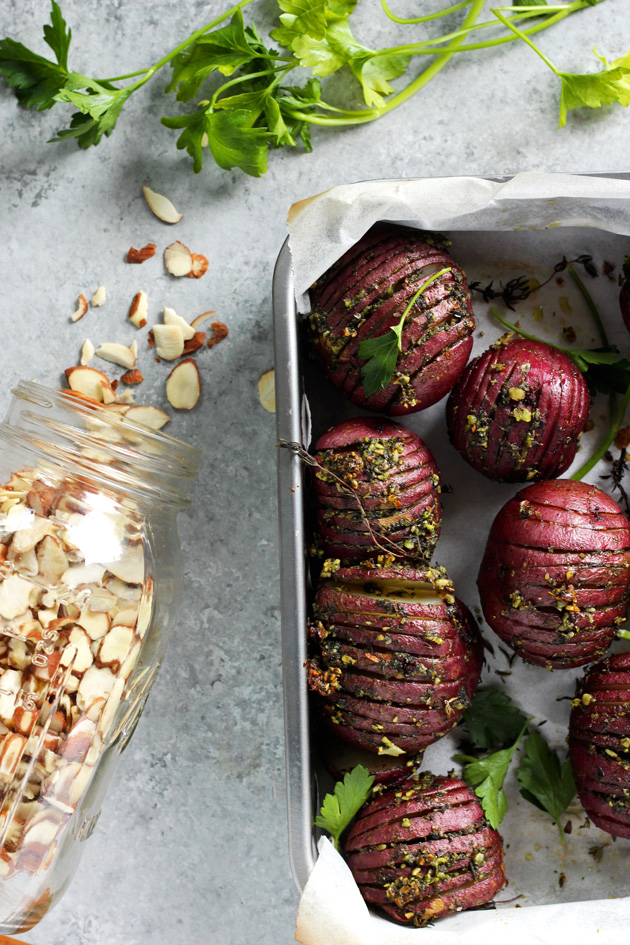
{"points": [[142, 460]]}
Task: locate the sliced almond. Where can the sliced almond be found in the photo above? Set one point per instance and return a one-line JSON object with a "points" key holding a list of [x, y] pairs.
{"points": [[199, 266], [141, 255], [178, 259], [267, 390], [161, 206], [115, 647], [132, 377], [169, 341], [125, 398], [96, 625], [219, 332], [197, 322], [82, 308], [195, 343], [87, 352], [151, 417], [52, 559], [118, 354], [138, 310], [99, 298], [14, 596], [183, 385], [172, 318], [92, 383]]}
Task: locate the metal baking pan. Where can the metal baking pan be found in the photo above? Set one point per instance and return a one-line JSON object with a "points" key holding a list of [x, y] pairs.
{"points": [[300, 388]]}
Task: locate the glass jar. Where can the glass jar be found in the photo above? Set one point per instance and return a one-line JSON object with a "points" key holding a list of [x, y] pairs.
{"points": [[90, 578]]}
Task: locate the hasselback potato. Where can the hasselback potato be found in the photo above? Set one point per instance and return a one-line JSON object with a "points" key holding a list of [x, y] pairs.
{"points": [[518, 410], [365, 293], [555, 575], [395, 657], [423, 849], [394, 491]]}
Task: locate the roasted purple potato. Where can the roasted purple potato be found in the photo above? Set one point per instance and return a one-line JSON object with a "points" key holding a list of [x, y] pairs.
{"points": [[396, 481], [365, 293], [555, 575], [423, 849], [395, 657], [599, 744], [517, 412]]}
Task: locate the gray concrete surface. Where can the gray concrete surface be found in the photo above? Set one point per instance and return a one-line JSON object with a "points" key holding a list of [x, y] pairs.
{"points": [[191, 845]]}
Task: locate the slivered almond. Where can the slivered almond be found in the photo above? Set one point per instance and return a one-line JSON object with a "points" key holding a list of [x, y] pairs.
{"points": [[267, 390], [138, 310], [80, 396], [132, 377], [99, 297], [92, 383], [87, 352], [178, 259], [82, 308], [125, 398], [219, 332], [118, 354], [141, 255], [200, 319], [199, 266], [161, 206], [169, 341], [151, 417], [183, 385], [172, 318], [195, 343]]}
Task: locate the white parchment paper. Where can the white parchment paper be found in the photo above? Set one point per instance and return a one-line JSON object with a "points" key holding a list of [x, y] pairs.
{"points": [[498, 231]]}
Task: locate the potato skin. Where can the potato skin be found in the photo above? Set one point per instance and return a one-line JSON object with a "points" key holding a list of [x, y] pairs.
{"points": [[423, 849], [554, 580], [599, 744], [386, 670], [517, 412], [365, 293], [396, 480]]}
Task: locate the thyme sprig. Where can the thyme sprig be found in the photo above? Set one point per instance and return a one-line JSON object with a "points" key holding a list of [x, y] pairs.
{"points": [[619, 468], [389, 547], [521, 287]]}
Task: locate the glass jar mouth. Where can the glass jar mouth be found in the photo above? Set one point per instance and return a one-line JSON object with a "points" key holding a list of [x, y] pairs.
{"points": [[90, 438]]}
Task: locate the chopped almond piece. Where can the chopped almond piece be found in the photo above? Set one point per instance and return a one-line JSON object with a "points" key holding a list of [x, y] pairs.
{"points": [[169, 341], [195, 343], [200, 319], [80, 396], [82, 308], [92, 383], [141, 255], [99, 298], [87, 352], [161, 206], [124, 399], [151, 417], [151, 339], [138, 310], [132, 377], [178, 259], [172, 318], [220, 332], [183, 385], [119, 354], [199, 266], [267, 390]]}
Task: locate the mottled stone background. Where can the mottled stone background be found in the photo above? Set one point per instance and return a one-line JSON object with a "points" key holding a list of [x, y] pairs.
{"points": [[191, 844]]}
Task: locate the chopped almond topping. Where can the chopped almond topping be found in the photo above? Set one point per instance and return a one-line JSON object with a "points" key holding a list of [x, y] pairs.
{"points": [[195, 343], [199, 266], [151, 417], [119, 354], [151, 339], [183, 385], [178, 259], [138, 310], [161, 206], [200, 319], [99, 298], [169, 341], [87, 352], [220, 332], [141, 255], [82, 308], [93, 383], [172, 318], [132, 377]]}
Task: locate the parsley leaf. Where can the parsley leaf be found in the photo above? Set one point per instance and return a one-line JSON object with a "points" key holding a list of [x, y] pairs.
{"points": [[492, 719], [350, 795], [231, 138], [37, 80], [487, 775], [610, 85], [99, 107], [374, 73], [544, 782], [381, 353]]}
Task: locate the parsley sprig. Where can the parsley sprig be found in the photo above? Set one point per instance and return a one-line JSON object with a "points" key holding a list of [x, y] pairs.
{"points": [[244, 102], [381, 354], [349, 796], [544, 781]]}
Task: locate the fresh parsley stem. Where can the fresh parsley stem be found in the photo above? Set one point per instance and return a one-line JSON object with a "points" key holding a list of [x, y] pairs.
{"points": [[616, 419], [128, 75], [622, 634], [603, 337], [524, 334], [282, 70], [426, 17], [425, 285], [524, 37]]}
